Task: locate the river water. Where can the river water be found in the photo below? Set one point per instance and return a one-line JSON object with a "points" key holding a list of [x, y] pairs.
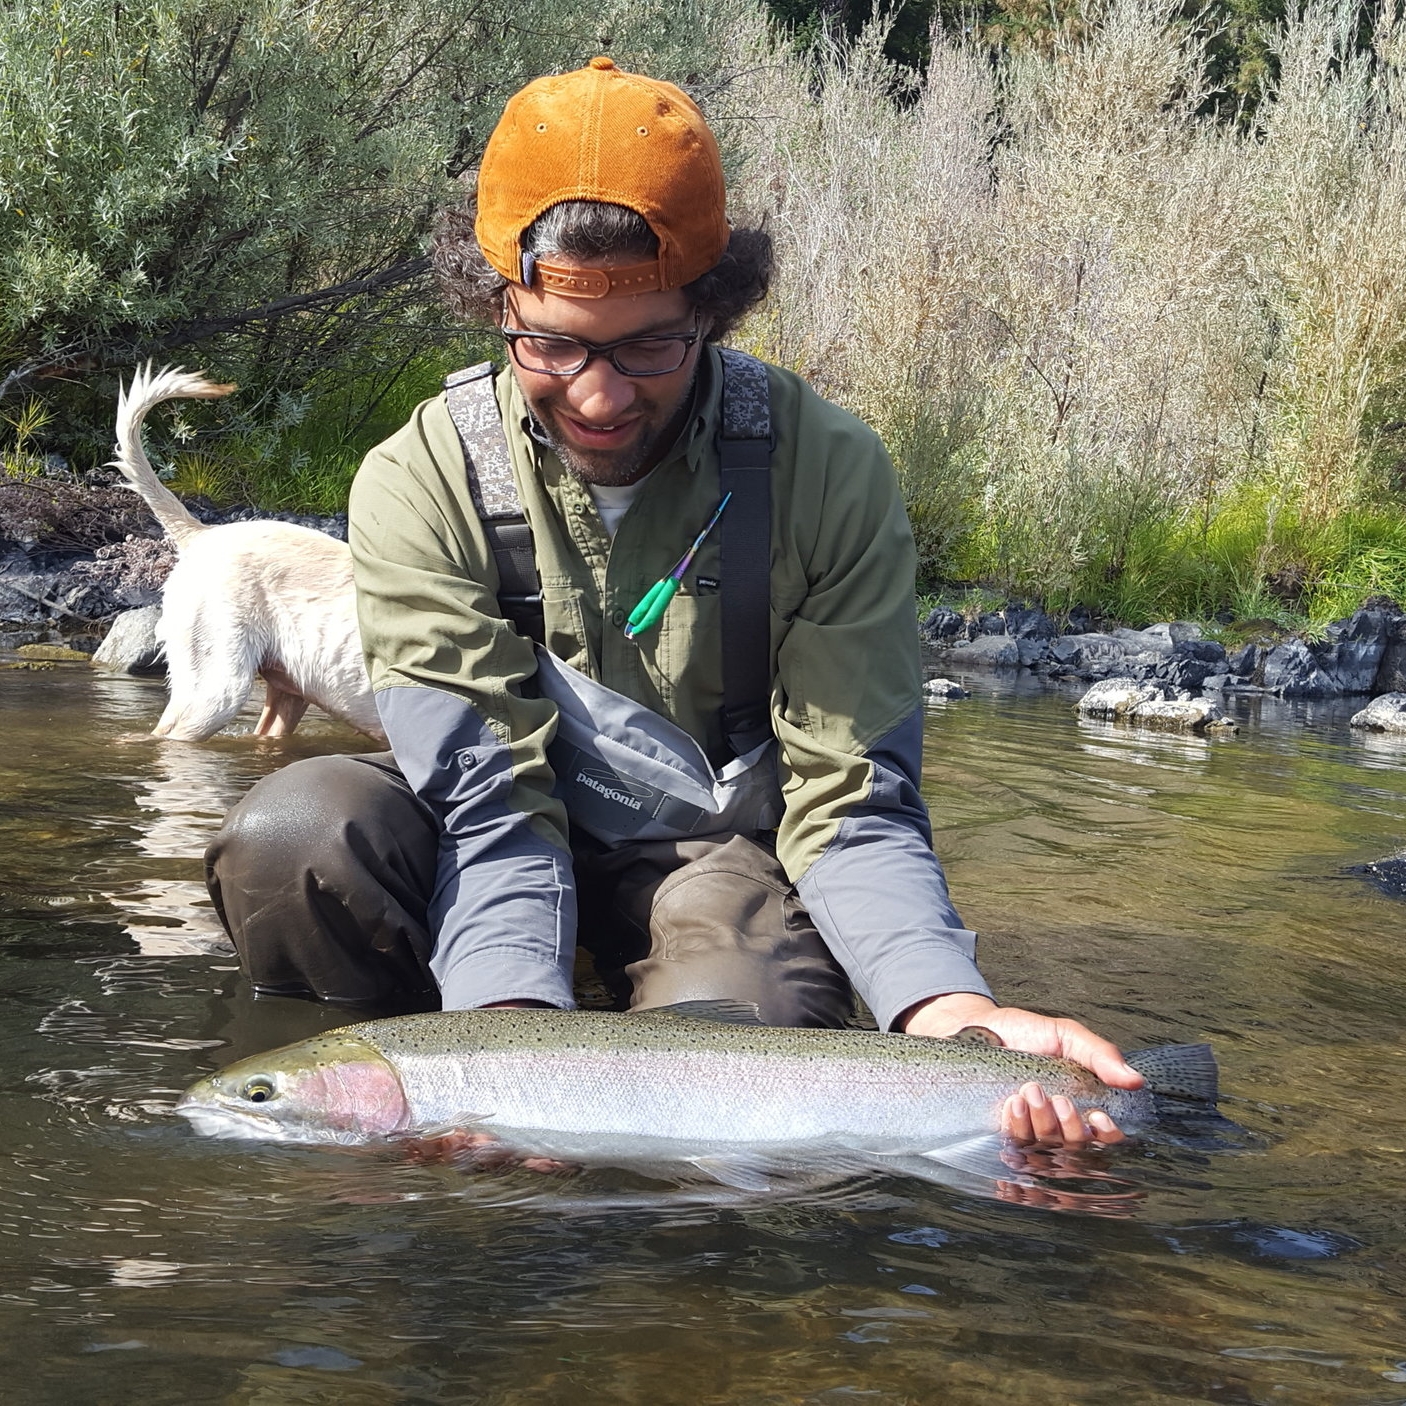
{"points": [[1160, 888]]}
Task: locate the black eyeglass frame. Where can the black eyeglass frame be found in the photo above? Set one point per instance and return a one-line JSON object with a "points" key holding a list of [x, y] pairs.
{"points": [[513, 335]]}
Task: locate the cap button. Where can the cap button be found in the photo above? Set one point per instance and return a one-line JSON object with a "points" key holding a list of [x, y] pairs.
{"points": [[602, 62]]}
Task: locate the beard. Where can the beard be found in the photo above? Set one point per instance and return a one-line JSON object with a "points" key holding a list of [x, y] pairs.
{"points": [[656, 427]]}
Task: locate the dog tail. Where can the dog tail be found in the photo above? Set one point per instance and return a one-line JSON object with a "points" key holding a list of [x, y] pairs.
{"points": [[146, 391]]}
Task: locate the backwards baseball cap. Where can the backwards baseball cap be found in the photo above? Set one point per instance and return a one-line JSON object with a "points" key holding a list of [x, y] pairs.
{"points": [[604, 135]]}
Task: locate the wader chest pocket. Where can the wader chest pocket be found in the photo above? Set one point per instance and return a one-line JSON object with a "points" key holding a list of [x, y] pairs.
{"points": [[600, 800]]}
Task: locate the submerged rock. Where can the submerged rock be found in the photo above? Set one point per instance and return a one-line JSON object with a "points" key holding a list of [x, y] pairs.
{"points": [[1152, 704], [1384, 714], [1387, 874], [944, 688]]}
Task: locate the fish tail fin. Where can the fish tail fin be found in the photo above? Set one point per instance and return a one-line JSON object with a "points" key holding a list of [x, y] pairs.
{"points": [[1178, 1071]]}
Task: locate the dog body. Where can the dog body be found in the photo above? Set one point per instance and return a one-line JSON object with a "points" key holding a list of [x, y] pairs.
{"points": [[245, 599]]}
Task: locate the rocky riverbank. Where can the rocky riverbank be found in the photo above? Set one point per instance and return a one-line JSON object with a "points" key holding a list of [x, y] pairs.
{"points": [[76, 555], [1362, 655]]}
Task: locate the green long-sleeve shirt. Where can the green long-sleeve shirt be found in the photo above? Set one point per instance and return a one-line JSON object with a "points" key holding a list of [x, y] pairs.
{"points": [[843, 638]]}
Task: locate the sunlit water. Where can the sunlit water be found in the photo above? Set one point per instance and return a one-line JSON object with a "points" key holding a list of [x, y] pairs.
{"points": [[1160, 888]]}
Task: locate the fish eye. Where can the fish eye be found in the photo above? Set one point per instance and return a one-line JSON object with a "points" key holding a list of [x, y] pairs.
{"points": [[258, 1090]]}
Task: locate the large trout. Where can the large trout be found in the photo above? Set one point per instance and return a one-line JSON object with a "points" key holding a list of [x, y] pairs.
{"points": [[667, 1090]]}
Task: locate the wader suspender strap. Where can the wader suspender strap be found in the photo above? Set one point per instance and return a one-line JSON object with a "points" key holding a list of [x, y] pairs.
{"points": [[474, 410], [744, 452]]}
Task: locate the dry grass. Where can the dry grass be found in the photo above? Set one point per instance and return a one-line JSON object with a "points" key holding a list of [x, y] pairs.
{"points": [[1074, 306]]}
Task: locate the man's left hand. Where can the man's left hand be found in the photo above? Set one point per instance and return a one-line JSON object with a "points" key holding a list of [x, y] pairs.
{"points": [[1031, 1116]]}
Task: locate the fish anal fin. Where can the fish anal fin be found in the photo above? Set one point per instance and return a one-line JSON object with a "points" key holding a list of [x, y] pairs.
{"points": [[724, 1012], [977, 1156], [1179, 1071], [735, 1170], [979, 1035]]}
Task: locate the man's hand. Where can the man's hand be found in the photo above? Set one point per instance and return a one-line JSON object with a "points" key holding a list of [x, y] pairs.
{"points": [[1031, 1116]]}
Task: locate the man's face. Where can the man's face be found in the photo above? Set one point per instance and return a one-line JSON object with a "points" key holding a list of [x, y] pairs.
{"points": [[608, 429]]}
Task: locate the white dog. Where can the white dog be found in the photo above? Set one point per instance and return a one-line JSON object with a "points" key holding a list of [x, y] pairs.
{"points": [[246, 598]]}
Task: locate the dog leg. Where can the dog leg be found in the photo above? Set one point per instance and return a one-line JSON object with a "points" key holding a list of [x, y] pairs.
{"points": [[282, 713], [210, 663]]}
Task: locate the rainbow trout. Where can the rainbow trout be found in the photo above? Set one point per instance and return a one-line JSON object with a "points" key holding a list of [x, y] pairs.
{"points": [[668, 1090]]}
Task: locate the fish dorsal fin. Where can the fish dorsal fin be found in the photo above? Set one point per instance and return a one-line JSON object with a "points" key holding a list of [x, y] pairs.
{"points": [[724, 1012], [1178, 1071], [979, 1035]]}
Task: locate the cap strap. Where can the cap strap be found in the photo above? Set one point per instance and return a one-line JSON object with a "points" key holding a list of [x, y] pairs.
{"points": [[575, 282]]}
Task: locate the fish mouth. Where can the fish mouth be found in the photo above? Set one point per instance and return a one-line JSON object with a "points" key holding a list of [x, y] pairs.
{"points": [[216, 1120]]}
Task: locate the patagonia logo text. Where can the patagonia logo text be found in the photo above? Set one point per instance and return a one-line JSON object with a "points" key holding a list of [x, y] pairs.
{"points": [[610, 793]]}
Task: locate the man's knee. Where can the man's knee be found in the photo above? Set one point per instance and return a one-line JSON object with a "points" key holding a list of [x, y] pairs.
{"points": [[729, 927], [321, 876]]}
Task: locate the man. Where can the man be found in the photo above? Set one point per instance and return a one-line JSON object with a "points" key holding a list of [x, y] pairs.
{"points": [[707, 841]]}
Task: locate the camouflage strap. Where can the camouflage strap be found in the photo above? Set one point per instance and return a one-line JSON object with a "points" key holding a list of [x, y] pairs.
{"points": [[473, 407], [744, 453]]}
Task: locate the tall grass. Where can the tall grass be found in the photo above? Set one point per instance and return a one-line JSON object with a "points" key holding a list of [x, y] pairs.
{"points": [[1122, 352]]}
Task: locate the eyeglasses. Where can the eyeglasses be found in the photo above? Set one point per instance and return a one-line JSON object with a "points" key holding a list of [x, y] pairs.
{"points": [[551, 354]]}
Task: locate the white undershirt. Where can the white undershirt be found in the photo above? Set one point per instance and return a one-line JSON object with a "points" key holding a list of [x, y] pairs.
{"points": [[611, 503]]}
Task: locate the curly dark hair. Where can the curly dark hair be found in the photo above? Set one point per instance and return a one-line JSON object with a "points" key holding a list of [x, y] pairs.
{"points": [[587, 229]]}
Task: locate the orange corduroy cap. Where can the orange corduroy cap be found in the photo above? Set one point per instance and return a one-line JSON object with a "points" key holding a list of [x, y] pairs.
{"points": [[602, 134]]}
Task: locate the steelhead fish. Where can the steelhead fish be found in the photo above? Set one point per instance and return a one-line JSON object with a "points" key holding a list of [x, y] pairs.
{"points": [[694, 1088]]}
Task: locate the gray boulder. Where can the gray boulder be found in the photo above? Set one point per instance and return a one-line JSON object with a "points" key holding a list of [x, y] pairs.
{"points": [[1093, 655], [1386, 713], [987, 652], [131, 646]]}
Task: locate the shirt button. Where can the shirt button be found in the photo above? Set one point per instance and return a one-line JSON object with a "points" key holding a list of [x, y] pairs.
{"points": [[617, 617]]}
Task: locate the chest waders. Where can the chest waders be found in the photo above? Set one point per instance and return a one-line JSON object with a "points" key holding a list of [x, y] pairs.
{"points": [[624, 773]]}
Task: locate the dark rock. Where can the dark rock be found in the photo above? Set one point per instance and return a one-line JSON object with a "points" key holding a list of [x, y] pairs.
{"points": [[1291, 670], [943, 624], [1029, 624], [1354, 648], [1079, 621], [1246, 660], [1388, 874], [993, 624], [1347, 661], [1391, 671], [1215, 683]]}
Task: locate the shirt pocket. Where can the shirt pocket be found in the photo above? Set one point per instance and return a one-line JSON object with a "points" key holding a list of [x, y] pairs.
{"points": [[565, 621]]}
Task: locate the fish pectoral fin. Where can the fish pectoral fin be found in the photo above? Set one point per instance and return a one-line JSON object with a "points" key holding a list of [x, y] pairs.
{"points": [[724, 1012], [735, 1169], [459, 1123]]}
